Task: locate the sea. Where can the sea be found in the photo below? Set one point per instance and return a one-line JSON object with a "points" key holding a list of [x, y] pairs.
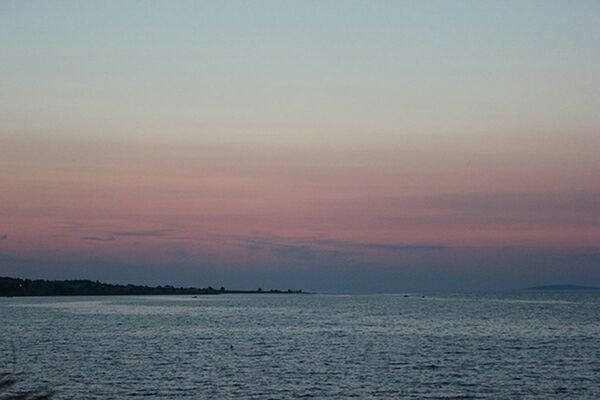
{"points": [[512, 345]]}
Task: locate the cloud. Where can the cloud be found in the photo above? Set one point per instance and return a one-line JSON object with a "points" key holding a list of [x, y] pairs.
{"points": [[179, 252], [143, 233], [388, 247], [298, 252], [3, 236], [99, 239], [308, 249], [114, 235], [511, 201], [251, 243], [297, 249], [276, 246]]}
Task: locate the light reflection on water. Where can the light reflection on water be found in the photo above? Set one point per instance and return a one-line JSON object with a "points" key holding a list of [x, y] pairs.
{"points": [[522, 344]]}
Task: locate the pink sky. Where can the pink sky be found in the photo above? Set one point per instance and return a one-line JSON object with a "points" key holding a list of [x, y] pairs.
{"points": [[314, 141], [77, 195]]}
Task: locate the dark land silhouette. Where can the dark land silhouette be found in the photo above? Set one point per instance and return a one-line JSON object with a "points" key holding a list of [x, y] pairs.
{"points": [[563, 287], [26, 287]]}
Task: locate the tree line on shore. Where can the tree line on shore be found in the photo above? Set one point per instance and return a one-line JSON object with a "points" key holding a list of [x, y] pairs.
{"points": [[39, 287]]}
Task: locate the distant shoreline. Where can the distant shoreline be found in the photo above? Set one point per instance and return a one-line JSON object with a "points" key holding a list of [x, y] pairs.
{"points": [[562, 287], [16, 287]]}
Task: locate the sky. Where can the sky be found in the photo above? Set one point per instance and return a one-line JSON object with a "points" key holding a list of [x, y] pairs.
{"points": [[337, 146]]}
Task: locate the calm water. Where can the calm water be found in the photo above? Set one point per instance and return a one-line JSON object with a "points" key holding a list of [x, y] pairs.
{"points": [[503, 346]]}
